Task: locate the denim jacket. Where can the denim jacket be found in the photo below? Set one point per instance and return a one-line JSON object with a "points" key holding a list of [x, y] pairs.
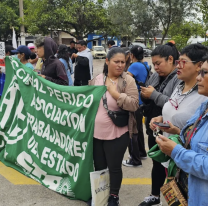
{"points": [[195, 160], [67, 70]]}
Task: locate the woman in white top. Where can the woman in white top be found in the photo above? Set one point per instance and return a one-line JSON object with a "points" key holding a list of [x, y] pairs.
{"points": [[185, 98]]}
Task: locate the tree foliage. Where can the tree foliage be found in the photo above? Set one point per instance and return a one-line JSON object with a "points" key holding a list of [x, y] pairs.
{"points": [[182, 32], [76, 17], [204, 9], [132, 18], [9, 17], [171, 11]]}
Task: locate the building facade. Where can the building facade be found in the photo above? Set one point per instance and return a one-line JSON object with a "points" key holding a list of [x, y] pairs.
{"points": [[94, 41]]}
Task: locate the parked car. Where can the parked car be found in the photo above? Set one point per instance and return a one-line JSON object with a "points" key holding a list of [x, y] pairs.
{"points": [[98, 52], [147, 52]]}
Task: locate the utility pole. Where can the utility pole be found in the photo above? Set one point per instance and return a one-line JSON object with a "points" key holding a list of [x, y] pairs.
{"points": [[22, 27]]}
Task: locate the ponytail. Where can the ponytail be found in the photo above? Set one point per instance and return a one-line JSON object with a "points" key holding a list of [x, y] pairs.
{"points": [[169, 49]]}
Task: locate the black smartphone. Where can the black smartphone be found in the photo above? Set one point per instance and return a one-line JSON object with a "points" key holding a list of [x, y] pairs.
{"points": [[162, 124], [141, 84]]}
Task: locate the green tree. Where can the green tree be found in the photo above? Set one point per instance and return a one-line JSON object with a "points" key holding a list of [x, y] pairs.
{"points": [[132, 18], [75, 17], [171, 11], [9, 17], [204, 9], [182, 32]]}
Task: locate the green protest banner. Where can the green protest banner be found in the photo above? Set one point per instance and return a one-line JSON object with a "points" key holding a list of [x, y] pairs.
{"points": [[46, 130]]}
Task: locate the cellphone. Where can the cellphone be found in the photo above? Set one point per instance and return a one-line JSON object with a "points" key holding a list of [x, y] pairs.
{"points": [[141, 84], [162, 124]]}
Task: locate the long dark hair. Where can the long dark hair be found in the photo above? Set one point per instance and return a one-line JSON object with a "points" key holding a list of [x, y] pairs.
{"points": [[112, 53], [64, 54], [127, 52]]}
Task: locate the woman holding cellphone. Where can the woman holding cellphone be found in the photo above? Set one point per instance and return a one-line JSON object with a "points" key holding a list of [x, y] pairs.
{"points": [[193, 161], [185, 99]]}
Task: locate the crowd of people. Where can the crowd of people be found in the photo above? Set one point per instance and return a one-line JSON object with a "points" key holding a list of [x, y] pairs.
{"points": [[175, 95]]}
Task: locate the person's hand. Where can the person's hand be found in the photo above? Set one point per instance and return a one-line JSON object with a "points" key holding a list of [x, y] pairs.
{"points": [[155, 119], [74, 56], [166, 145], [146, 92], [172, 130], [41, 75], [112, 89]]}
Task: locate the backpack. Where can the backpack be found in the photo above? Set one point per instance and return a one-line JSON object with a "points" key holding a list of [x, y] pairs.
{"points": [[149, 73]]}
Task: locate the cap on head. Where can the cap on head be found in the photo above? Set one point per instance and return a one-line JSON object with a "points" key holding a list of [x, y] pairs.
{"points": [[22, 49], [31, 46]]}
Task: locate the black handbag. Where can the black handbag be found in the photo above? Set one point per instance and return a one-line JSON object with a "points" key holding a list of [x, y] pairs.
{"points": [[119, 118]]}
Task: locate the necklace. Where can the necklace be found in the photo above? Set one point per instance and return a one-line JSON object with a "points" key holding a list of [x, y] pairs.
{"points": [[175, 103], [113, 82]]}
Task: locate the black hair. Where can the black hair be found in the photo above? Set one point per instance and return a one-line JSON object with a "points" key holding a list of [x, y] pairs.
{"points": [[166, 50], [195, 52], [111, 54], [205, 58], [138, 52], [72, 42], [64, 54], [111, 42], [31, 56], [123, 45], [82, 43], [126, 50], [128, 62], [8, 48]]}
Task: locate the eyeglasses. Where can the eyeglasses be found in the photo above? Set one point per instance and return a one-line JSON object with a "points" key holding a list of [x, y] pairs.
{"points": [[202, 72], [181, 63], [174, 103]]}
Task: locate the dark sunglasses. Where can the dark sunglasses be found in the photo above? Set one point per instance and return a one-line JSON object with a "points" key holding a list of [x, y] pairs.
{"points": [[202, 72]]}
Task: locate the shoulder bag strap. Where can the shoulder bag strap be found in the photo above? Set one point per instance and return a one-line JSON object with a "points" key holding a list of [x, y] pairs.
{"points": [[104, 96], [148, 70], [190, 135], [165, 82]]}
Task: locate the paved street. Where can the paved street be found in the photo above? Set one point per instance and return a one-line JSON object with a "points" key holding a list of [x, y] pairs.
{"points": [[18, 190]]}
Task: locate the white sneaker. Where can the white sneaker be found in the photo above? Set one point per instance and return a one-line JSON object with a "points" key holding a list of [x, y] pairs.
{"points": [[129, 163], [151, 201]]}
